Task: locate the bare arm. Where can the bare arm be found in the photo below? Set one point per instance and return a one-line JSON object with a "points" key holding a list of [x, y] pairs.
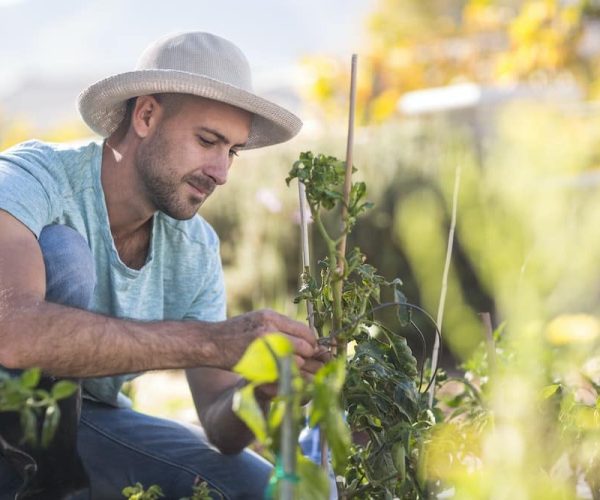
{"points": [[70, 342], [213, 390]]}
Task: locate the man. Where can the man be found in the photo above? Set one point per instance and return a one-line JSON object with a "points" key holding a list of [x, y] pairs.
{"points": [[106, 270]]}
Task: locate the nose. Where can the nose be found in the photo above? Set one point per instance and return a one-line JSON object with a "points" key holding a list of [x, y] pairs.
{"points": [[218, 168]]}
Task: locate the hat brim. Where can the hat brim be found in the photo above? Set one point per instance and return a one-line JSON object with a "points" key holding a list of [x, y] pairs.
{"points": [[102, 104]]}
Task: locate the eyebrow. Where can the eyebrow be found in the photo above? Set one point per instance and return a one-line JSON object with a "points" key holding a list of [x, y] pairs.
{"points": [[221, 137]]}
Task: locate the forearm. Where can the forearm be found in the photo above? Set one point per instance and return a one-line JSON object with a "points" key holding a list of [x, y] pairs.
{"points": [[70, 342], [222, 426]]}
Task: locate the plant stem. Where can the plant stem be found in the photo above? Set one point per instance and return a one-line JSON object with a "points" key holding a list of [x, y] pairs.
{"points": [[486, 319], [334, 278], [305, 250], [442, 303]]}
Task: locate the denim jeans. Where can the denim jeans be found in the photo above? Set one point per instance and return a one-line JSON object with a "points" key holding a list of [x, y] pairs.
{"points": [[119, 446]]}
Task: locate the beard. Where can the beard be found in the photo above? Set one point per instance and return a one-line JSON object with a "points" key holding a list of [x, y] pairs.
{"points": [[155, 164]]}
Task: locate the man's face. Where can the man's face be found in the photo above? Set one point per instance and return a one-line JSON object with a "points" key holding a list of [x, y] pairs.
{"points": [[189, 153]]}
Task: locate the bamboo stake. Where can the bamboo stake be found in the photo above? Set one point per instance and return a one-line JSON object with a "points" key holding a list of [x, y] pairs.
{"points": [[442, 303], [288, 436], [340, 349], [341, 247], [349, 154]]}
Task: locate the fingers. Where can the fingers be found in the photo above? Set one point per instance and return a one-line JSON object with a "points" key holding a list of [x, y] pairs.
{"points": [[323, 354], [258, 323], [301, 336], [292, 327], [302, 348], [300, 361], [311, 366]]}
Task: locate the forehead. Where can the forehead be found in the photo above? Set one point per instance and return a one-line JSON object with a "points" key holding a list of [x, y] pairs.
{"points": [[199, 111]]}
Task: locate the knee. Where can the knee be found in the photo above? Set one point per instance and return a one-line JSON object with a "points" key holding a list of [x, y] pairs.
{"points": [[70, 273], [252, 474]]}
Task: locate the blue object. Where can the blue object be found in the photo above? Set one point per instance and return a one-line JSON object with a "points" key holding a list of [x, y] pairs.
{"points": [[309, 441]]}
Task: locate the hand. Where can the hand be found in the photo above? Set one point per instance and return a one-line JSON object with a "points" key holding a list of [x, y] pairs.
{"points": [[312, 365], [238, 332], [266, 392]]}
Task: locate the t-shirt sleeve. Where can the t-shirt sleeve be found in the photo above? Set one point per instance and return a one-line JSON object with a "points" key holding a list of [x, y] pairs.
{"points": [[210, 303], [28, 191]]}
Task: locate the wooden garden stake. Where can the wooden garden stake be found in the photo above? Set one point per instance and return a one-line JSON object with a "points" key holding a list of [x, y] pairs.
{"points": [[288, 436], [349, 154], [442, 303], [341, 248], [339, 348]]}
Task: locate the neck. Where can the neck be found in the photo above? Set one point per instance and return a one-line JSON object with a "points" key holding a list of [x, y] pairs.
{"points": [[128, 210]]}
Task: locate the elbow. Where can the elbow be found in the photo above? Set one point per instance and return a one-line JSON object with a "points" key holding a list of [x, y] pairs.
{"points": [[225, 446], [229, 449]]}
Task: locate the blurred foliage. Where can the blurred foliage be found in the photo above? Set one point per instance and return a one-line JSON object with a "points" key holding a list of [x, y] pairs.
{"points": [[527, 249], [415, 44], [200, 491], [38, 408], [14, 130]]}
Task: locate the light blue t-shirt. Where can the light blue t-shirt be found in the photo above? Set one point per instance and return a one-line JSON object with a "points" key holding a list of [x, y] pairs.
{"points": [[182, 279]]}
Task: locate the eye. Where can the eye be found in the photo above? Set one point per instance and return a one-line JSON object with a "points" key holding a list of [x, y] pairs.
{"points": [[205, 142], [233, 152]]}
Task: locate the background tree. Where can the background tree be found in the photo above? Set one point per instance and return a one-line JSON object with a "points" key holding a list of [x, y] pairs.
{"points": [[415, 44]]}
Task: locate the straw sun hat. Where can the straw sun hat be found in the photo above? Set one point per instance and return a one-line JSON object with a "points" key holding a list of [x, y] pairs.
{"points": [[189, 63]]}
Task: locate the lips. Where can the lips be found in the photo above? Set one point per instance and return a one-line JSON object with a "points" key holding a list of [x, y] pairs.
{"points": [[203, 185]]}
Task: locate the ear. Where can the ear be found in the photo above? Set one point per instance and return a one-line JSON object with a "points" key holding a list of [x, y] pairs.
{"points": [[145, 116]]}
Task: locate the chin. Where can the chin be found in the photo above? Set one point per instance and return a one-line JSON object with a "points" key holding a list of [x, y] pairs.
{"points": [[182, 215], [180, 209]]}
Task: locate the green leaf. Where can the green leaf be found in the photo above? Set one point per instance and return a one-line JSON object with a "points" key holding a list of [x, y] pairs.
{"points": [[328, 383], [248, 410], [406, 362], [31, 378], [313, 481], [399, 459], [29, 426], [380, 467], [406, 397], [276, 413], [549, 391], [338, 437], [403, 312], [327, 411], [50, 425], [137, 492], [258, 364], [63, 389]]}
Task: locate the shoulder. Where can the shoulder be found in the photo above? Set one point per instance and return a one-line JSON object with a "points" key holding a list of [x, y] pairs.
{"points": [[44, 153]]}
